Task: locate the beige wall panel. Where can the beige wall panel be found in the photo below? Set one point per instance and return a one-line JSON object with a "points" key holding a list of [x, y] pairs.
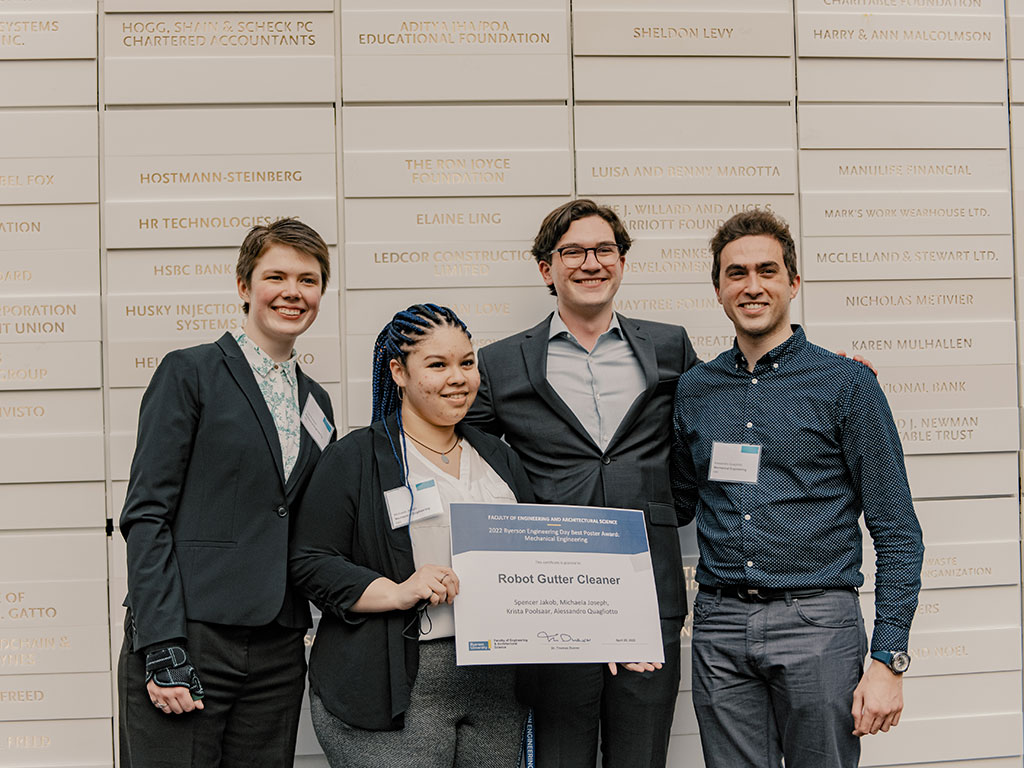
{"points": [[217, 5], [910, 7], [53, 605], [906, 213], [684, 751], [973, 343], [962, 475], [981, 430], [51, 412], [38, 134], [455, 78], [29, 273], [56, 697], [710, 341], [49, 227], [951, 610], [452, 219], [47, 35], [696, 5], [48, 30], [906, 126], [44, 318], [52, 505], [81, 555], [643, 32], [132, 362], [944, 739], [192, 318], [51, 458], [456, 150], [48, 83], [944, 387], [219, 132], [907, 257], [963, 565], [56, 742], [684, 171], [1007, 762], [677, 217], [694, 304], [219, 58], [949, 169], [201, 223], [900, 36], [951, 695], [48, 180], [910, 300], [50, 365], [677, 260], [441, 264], [486, 311], [1016, 69], [48, 651], [180, 270], [224, 178], [639, 78], [930, 80], [660, 126], [949, 521], [488, 53]]}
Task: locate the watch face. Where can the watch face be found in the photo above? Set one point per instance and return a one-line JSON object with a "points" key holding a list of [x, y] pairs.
{"points": [[900, 662]]}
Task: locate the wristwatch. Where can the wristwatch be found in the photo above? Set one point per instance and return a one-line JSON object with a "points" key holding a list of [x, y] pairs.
{"points": [[897, 661]]}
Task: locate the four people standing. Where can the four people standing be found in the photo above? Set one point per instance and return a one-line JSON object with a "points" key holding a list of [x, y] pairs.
{"points": [[778, 445]]}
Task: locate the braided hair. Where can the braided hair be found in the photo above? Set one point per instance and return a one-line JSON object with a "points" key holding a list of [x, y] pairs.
{"points": [[395, 341]]}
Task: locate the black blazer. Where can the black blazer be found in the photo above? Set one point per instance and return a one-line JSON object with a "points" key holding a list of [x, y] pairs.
{"points": [[208, 510], [566, 466], [363, 665]]}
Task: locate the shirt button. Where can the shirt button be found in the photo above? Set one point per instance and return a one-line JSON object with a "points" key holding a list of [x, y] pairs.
{"points": [[750, 563], [746, 517], [775, 365], [750, 424], [753, 381], [282, 511], [277, 367]]}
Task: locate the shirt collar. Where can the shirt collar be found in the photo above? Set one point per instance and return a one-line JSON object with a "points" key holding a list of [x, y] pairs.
{"points": [[559, 327], [262, 364], [789, 347]]}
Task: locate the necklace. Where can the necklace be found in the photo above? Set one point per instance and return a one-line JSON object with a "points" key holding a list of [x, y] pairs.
{"points": [[442, 454]]}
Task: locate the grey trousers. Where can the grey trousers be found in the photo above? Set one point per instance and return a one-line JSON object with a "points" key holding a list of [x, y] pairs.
{"points": [[465, 717], [774, 680]]}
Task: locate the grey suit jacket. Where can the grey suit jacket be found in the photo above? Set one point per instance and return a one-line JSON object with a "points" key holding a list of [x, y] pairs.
{"points": [[565, 465]]}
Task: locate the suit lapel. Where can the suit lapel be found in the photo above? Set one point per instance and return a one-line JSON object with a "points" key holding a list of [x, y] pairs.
{"points": [[645, 353], [535, 358], [243, 375]]}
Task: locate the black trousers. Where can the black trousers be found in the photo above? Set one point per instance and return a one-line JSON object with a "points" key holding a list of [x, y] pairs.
{"points": [[631, 711], [254, 679]]}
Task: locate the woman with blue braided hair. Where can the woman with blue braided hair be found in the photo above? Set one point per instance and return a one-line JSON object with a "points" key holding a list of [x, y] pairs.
{"points": [[371, 550]]}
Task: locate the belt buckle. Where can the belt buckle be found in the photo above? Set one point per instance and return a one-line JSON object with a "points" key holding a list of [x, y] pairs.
{"points": [[754, 595]]}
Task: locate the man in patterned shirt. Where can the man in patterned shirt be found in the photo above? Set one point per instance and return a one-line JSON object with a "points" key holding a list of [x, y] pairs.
{"points": [[779, 446]]}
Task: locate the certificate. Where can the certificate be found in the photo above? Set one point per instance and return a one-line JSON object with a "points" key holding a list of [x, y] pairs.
{"points": [[545, 583]]}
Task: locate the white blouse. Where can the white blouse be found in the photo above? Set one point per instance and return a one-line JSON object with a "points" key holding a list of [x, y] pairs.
{"points": [[431, 538]]}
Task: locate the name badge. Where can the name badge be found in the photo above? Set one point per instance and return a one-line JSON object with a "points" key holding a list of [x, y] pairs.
{"points": [[426, 503], [734, 462], [313, 419]]}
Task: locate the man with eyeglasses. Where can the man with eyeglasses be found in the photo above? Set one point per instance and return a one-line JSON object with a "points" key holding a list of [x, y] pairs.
{"points": [[585, 399]]}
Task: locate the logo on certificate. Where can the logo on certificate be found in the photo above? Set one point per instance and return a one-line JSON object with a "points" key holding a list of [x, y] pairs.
{"points": [[479, 645]]}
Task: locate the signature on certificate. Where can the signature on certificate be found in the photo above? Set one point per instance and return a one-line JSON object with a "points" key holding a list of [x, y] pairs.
{"points": [[561, 637]]}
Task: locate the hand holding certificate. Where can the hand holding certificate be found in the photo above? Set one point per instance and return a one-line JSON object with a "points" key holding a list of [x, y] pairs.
{"points": [[546, 583]]}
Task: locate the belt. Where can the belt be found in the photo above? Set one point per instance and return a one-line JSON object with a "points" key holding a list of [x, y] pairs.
{"points": [[750, 594]]}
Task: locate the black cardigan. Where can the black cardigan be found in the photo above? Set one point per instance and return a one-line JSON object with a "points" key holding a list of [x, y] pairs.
{"points": [[361, 666]]}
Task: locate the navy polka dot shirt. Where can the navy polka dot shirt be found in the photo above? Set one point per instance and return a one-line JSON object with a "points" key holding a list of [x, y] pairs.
{"points": [[829, 451]]}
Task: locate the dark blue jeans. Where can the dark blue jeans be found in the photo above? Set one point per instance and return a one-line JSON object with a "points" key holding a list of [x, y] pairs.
{"points": [[774, 680]]}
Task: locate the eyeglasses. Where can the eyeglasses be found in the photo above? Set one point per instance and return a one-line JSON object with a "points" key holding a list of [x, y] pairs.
{"points": [[573, 256]]}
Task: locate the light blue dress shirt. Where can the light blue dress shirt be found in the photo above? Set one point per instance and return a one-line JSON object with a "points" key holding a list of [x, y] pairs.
{"points": [[598, 386]]}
